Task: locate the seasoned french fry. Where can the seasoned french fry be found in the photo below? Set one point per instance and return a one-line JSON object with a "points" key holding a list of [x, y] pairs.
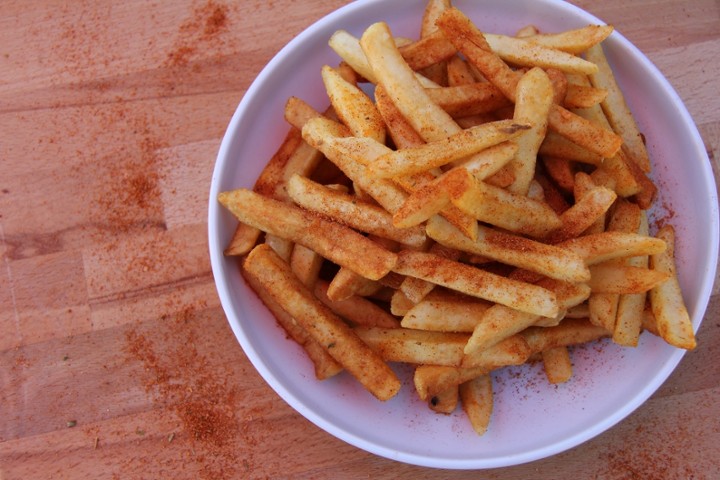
{"points": [[468, 99], [273, 274], [331, 240], [613, 278], [500, 322], [533, 99], [478, 283], [476, 397], [430, 380], [350, 211], [573, 41], [521, 252], [445, 401], [244, 239], [353, 106], [666, 301], [325, 365], [526, 53], [443, 312], [616, 109], [601, 247], [583, 214], [569, 332], [356, 309], [557, 364], [441, 152], [346, 283], [421, 347], [628, 324]]}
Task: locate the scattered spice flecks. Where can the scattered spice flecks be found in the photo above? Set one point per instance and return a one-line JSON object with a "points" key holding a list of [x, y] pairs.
{"points": [[204, 26], [180, 379]]}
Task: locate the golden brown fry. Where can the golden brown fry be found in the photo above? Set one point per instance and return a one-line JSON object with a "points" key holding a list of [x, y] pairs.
{"points": [[518, 251], [526, 53], [569, 332], [468, 99], [445, 312], [477, 283], [476, 397], [668, 307], [613, 278], [353, 107], [325, 365], [275, 276], [346, 209], [462, 144], [346, 283], [616, 109], [331, 240], [557, 364], [573, 41], [356, 309], [500, 322], [533, 99], [445, 401]]}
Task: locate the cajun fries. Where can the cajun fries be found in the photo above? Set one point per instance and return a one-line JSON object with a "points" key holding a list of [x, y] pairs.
{"points": [[487, 208]]}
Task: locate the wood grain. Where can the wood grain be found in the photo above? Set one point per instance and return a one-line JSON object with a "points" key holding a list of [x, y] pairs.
{"points": [[112, 114]]}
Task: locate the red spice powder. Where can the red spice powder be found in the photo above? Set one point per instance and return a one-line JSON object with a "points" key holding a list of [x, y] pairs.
{"points": [[205, 24]]}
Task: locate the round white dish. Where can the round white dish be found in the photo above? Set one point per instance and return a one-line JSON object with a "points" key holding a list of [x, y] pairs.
{"points": [[531, 419]]}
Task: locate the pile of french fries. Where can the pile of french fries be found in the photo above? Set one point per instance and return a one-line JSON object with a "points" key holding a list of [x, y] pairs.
{"points": [[483, 206]]}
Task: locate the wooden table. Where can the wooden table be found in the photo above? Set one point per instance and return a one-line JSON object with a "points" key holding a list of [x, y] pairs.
{"points": [[116, 360]]}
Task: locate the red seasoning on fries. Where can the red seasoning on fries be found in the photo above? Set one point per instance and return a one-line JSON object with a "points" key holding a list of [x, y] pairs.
{"points": [[468, 201]]}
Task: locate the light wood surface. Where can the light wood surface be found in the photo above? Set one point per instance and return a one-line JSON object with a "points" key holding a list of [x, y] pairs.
{"points": [[116, 360]]}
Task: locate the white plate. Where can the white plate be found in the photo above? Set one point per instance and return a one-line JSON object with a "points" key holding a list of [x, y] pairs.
{"points": [[531, 419]]}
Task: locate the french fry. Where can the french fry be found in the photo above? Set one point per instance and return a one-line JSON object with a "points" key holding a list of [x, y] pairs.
{"points": [[521, 252], [356, 309], [346, 283], [325, 365], [601, 247], [430, 380], [583, 214], [402, 133], [331, 240], [557, 364], [468, 99], [555, 145], [569, 332], [462, 144], [526, 53], [573, 41], [616, 109], [398, 79], [415, 289], [477, 283], [305, 264], [350, 211], [476, 397], [243, 240], [443, 312], [273, 274], [668, 307], [500, 322], [533, 99], [353, 106], [628, 324], [445, 401], [500, 207], [614, 278], [579, 96], [421, 347]]}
